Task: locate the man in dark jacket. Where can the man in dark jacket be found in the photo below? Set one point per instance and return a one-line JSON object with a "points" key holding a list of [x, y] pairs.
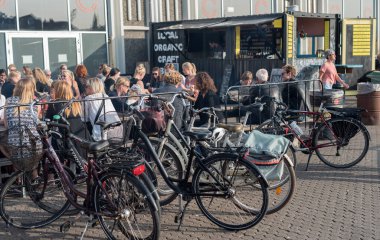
{"points": [[7, 88]]}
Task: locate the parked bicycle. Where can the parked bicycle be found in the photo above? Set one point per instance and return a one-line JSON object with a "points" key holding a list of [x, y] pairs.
{"points": [[335, 135]]}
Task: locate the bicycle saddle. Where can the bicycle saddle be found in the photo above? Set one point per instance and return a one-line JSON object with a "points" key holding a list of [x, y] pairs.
{"points": [[105, 125], [198, 136], [232, 127], [96, 146]]}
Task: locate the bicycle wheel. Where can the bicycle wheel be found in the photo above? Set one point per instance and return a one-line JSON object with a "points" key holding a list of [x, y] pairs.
{"points": [[226, 188], [173, 164], [281, 189], [27, 203], [124, 210], [341, 143]]}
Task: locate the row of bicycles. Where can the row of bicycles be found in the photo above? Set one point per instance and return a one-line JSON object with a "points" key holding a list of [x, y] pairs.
{"points": [[234, 177]]}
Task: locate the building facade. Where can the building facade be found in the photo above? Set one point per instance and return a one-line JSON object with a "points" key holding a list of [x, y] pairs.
{"points": [[48, 33]]}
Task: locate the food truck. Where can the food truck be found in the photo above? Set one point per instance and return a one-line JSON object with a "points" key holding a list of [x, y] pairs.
{"points": [[226, 47]]}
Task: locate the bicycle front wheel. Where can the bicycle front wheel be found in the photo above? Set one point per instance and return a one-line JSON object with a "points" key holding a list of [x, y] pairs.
{"points": [[124, 210], [226, 187], [30, 203], [341, 143]]}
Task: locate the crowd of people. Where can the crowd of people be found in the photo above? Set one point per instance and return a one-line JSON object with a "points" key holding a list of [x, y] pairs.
{"points": [[20, 87]]}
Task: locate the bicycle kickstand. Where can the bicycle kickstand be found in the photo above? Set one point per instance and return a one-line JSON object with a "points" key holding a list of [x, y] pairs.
{"points": [[308, 160], [182, 208]]}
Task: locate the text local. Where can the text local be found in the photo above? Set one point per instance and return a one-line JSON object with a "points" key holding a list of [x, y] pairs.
{"points": [[169, 35]]}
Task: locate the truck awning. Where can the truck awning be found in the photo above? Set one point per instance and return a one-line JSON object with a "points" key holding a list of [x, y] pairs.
{"points": [[193, 25], [247, 21]]}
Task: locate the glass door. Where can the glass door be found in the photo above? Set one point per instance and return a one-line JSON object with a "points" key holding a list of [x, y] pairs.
{"points": [[47, 51]]}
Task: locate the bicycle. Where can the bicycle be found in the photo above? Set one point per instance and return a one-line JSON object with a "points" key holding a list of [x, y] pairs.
{"points": [[228, 189], [119, 200], [334, 132], [227, 137]]}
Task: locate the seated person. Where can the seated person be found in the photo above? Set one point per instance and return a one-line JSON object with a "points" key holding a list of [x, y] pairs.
{"points": [[207, 97], [260, 90], [293, 94], [245, 82], [172, 81], [121, 89]]}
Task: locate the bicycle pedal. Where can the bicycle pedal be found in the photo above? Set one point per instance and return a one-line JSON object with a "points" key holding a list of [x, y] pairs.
{"points": [[65, 226]]}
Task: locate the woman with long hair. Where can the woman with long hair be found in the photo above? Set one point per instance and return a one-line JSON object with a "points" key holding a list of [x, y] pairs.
{"points": [[100, 110], [121, 89], [189, 70], [207, 96], [21, 121], [81, 75], [68, 76], [42, 82], [63, 92], [141, 78]]}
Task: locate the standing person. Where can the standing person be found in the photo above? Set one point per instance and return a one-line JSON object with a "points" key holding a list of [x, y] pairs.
{"points": [[102, 72], [121, 89], [207, 96], [3, 77], [62, 68], [7, 88], [42, 83], [111, 80], [81, 75], [27, 71], [63, 92], [156, 80], [328, 74], [68, 76], [2, 103], [100, 110], [22, 118], [48, 76], [12, 68]]}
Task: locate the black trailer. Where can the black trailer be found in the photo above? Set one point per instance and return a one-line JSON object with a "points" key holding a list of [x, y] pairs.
{"points": [[226, 47]]}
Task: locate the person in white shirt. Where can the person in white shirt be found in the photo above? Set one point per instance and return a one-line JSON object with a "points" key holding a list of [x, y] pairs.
{"points": [[108, 114]]}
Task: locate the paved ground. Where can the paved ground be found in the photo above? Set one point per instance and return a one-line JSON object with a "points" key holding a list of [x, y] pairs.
{"points": [[328, 204]]}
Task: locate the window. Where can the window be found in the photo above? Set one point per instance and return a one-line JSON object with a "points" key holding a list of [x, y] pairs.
{"points": [[335, 6], [262, 6], [310, 37], [368, 9], [351, 8], [87, 15], [3, 53], [310, 46], [237, 8], [43, 15], [94, 51], [209, 8], [8, 15]]}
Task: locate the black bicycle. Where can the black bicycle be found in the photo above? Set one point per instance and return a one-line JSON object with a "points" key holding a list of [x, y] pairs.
{"points": [[228, 189]]}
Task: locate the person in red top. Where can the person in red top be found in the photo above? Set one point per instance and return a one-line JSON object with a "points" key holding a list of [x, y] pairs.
{"points": [[328, 74]]}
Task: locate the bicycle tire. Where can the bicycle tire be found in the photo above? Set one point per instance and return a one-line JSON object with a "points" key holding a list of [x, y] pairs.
{"points": [[352, 140], [222, 208], [23, 211], [282, 190], [129, 197], [174, 166]]}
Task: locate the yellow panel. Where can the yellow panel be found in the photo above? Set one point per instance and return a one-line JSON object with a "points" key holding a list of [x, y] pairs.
{"points": [[237, 33], [361, 45], [327, 35], [277, 23], [290, 31]]}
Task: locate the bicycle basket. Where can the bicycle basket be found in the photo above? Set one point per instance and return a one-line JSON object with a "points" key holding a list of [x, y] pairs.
{"points": [[24, 148]]}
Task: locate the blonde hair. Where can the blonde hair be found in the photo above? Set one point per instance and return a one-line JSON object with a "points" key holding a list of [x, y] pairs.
{"points": [[121, 81], [96, 85], [191, 67], [169, 67], [40, 76], [14, 74], [24, 89], [173, 77], [63, 91], [140, 69], [70, 73]]}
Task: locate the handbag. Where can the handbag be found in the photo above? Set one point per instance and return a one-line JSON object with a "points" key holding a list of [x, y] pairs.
{"points": [[89, 124], [154, 120]]}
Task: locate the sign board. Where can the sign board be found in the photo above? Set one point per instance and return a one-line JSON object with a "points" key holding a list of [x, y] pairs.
{"points": [[226, 79], [167, 47], [276, 75]]}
